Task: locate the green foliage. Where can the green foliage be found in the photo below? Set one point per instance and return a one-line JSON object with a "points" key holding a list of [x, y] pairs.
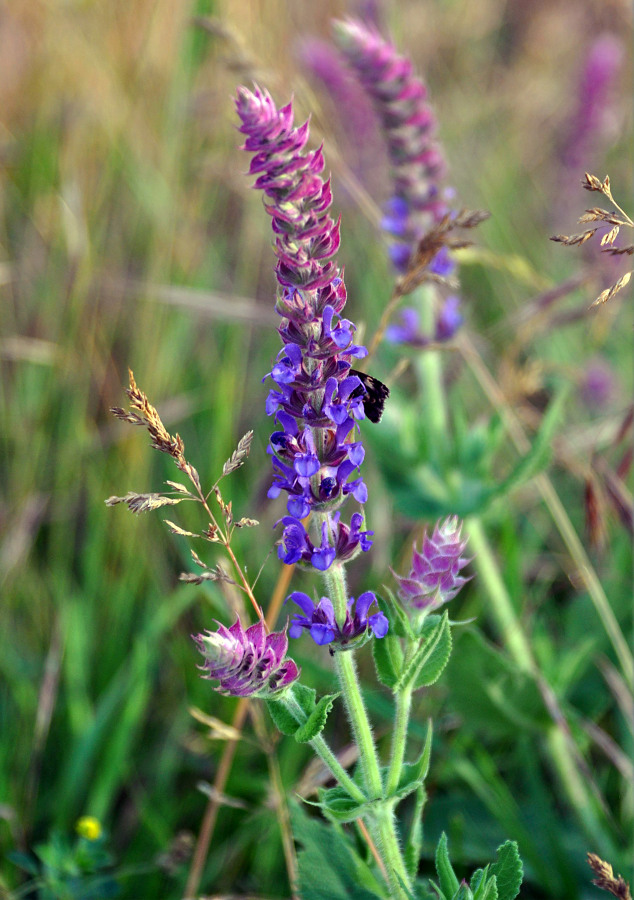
{"points": [[431, 656], [329, 867], [465, 480], [508, 871], [499, 881], [315, 712], [64, 871]]}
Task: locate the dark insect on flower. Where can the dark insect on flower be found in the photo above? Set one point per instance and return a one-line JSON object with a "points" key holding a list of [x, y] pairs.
{"points": [[376, 393]]}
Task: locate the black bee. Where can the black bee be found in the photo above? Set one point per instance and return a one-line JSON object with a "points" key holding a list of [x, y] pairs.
{"points": [[376, 393]]}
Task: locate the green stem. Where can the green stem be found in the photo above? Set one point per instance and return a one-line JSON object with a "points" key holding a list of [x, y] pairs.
{"points": [[347, 674], [381, 821], [399, 738], [428, 366], [565, 759], [324, 752], [501, 607]]}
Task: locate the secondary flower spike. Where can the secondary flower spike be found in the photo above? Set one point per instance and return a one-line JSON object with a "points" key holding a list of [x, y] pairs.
{"points": [[409, 124], [316, 401], [247, 663], [435, 578]]}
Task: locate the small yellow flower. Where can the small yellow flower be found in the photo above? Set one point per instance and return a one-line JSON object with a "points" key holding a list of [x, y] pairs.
{"points": [[88, 827]]}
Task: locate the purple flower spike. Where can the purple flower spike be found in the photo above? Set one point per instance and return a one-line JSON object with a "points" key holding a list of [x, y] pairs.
{"points": [[434, 578], [319, 620], [316, 402], [408, 122], [247, 663]]}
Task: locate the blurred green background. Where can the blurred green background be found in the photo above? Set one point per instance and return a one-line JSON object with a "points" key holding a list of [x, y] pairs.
{"points": [[130, 238]]}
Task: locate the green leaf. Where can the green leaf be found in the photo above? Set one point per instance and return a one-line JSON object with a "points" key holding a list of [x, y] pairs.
{"points": [[415, 838], [283, 719], [431, 657], [337, 804], [305, 696], [413, 774], [508, 870], [400, 625], [538, 456], [329, 869], [447, 877], [315, 713], [483, 885], [388, 660], [316, 720], [24, 861]]}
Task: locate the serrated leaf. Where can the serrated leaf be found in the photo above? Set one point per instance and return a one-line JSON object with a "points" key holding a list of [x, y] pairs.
{"points": [[478, 881], [388, 660], [414, 774], [415, 838], [337, 804], [305, 696], [315, 714], [431, 657], [446, 876], [433, 667], [283, 719], [316, 720], [508, 870], [400, 625]]}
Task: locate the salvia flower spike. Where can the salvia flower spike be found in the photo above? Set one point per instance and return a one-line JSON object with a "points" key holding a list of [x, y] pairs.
{"points": [[435, 578], [247, 663], [409, 124], [316, 400], [319, 620]]}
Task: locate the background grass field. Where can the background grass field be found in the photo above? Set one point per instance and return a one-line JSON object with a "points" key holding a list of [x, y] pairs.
{"points": [[130, 238]]}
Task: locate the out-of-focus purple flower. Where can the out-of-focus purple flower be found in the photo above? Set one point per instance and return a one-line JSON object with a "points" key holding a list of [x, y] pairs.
{"points": [[449, 319], [352, 115], [319, 620], [247, 663], [316, 401], [400, 101], [597, 385], [594, 110], [408, 331], [418, 164], [435, 577]]}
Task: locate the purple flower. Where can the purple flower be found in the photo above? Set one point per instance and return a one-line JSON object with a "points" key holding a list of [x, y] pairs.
{"points": [[594, 115], [247, 663], [598, 384], [448, 321], [323, 627], [316, 402], [351, 112], [434, 578]]}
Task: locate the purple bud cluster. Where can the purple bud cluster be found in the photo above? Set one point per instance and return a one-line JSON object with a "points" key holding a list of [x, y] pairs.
{"points": [[316, 400], [320, 621], [435, 578], [247, 663]]}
